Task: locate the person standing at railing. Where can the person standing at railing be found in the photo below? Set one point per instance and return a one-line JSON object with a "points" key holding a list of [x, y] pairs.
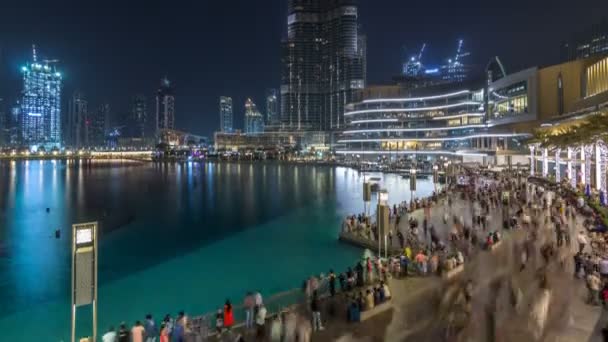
{"points": [[151, 330], [260, 321], [315, 307], [249, 304], [332, 283], [228, 315]]}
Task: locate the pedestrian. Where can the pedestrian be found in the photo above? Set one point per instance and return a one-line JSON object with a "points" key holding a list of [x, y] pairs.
{"points": [[228, 315], [342, 281], [315, 307], [332, 283], [603, 266], [582, 241], [169, 324], [164, 333], [123, 333], [178, 328], [110, 336], [593, 284], [219, 321], [258, 301], [249, 305], [260, 321], [137, 332], [151, 330], [275, 329]]}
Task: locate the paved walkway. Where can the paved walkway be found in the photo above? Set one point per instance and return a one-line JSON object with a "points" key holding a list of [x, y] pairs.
{"points": [[415, 309]]}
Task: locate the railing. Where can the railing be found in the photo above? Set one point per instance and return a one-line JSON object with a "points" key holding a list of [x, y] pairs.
{"points": [[204, 325]]}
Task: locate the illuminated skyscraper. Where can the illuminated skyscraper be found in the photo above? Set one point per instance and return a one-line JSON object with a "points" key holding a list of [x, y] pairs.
{"points": [[272, 107], [254, 121], [322, 63], [226, 115], [165, 106], [139, 116], [41, 104]]}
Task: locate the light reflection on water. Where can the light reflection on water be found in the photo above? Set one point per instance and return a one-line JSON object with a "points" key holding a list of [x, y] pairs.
{"points": [[164, 229]]}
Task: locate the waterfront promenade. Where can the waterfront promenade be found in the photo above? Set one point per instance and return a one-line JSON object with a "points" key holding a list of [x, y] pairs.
{"points": [[416, 313]]}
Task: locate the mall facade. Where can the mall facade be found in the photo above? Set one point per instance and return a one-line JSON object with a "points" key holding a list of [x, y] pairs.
{"points": [[488, 120]]}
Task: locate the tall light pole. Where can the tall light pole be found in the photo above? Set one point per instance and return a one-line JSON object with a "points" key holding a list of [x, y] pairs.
{"points": [[435, 176], [412, 183]]}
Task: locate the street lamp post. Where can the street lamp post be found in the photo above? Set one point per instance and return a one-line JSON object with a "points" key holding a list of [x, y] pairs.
{"points": [[435, 176], [412, 183]]}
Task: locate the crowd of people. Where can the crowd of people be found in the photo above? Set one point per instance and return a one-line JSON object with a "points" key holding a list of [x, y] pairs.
{"points": [[424, 251]]}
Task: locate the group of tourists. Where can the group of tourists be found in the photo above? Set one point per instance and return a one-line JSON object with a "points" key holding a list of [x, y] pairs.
{"points": [[171, 329]]}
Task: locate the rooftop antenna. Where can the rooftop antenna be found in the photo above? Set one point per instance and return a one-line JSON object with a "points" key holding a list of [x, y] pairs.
{"points": [[34, 53]]}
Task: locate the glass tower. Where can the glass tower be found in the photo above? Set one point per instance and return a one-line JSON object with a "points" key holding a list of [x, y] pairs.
{"points": [[322, 64], [226, 115], [165, 106], [272, 107], [41, 104], [139, 116], [254, 121]]}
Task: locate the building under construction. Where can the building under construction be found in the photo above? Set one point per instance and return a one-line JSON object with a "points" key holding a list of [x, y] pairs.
{"points": [[417, 72]]}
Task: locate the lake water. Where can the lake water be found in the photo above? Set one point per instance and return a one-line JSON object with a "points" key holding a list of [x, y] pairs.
{"points": [[172, 237]]}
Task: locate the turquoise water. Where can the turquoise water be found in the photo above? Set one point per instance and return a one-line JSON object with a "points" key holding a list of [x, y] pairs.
{"points": [[172, 237]]}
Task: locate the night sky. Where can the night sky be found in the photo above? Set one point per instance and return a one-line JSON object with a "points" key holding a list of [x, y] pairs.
{"points": [[112, 50]]}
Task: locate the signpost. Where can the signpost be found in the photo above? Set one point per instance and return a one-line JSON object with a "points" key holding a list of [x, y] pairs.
{"points": [[382, 220], [84, 271], [412, 183]]}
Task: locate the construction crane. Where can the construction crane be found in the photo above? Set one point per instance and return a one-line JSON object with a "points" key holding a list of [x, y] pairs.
{"points": [[421, 52]]}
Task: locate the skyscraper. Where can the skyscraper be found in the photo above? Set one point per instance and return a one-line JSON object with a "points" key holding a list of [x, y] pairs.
{"points": [[254, 121], [76, 126], [139, 116], [593, 41], [165, 106], [272, 107], [41, 104], [226, 115], [323, 66], [99, 125]]}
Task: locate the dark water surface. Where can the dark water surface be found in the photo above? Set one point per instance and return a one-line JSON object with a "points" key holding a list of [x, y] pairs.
{"points": [[172, 237]]}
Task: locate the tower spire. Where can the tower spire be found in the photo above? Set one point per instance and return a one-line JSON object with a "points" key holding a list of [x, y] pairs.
{"points": [[34, 53]]}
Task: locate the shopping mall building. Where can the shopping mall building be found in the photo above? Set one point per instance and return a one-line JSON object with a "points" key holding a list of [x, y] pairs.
{"points": [[488, 120]]}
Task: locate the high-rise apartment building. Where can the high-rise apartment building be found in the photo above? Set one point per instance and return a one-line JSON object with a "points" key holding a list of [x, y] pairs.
{"points": [[272, 107], [41, 104], [226, 115], [323, 65], [165, 106], [76, 130], [139, 116], [593, 41], [254, 121], [98, 126]]}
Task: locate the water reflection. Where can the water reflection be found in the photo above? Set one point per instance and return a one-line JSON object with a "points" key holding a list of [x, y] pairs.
{"points": [[153, 215]]}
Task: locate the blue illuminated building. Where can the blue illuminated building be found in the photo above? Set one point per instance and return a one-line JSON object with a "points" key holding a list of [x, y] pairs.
{"points": [[41, 104], [254, 121]]}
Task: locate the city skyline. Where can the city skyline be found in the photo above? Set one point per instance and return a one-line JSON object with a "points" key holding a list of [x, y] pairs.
{"points": [[93, 69]]}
